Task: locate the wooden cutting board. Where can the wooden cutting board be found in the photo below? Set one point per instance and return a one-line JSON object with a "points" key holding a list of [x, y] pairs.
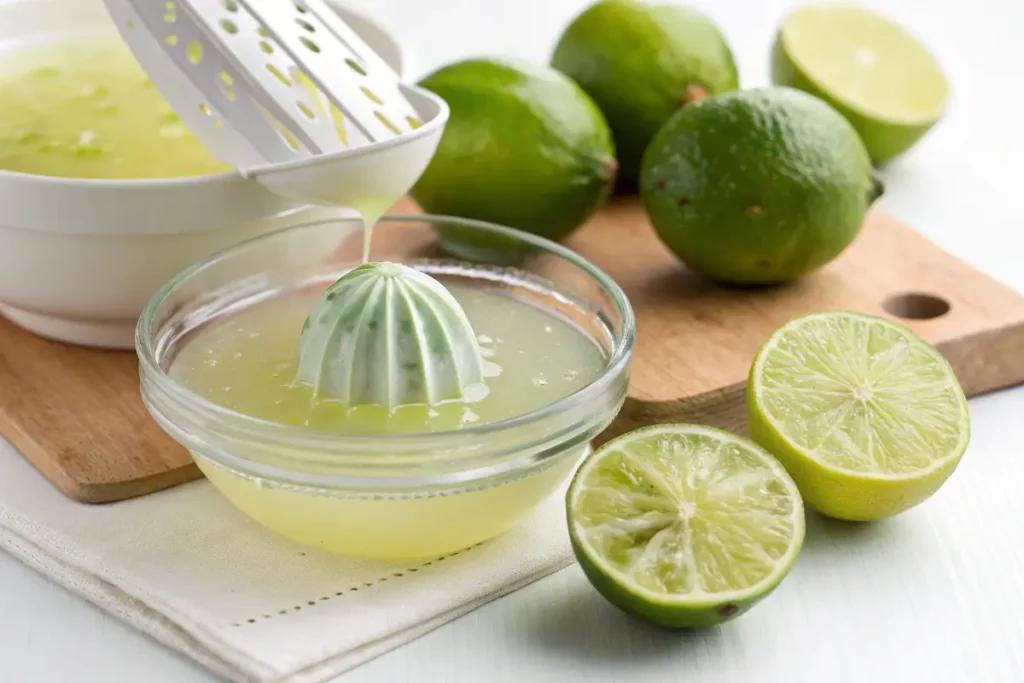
{"points": [[76, 413]]}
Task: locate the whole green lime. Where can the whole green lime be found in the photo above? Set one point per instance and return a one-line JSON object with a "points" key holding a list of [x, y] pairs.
{"points": [[641, 62], [758, 186], [524, 147]]}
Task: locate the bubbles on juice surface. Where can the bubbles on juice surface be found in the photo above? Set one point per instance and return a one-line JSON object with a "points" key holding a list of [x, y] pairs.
{"points": [[264, 383]]}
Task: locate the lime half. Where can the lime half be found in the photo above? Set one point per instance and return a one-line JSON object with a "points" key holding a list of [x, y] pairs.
{"points": [[868, 418], [879, 77], [682, 525]]}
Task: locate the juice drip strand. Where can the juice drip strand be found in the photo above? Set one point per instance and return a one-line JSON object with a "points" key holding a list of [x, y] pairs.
{"points": [[367, 237], [371, 212]]}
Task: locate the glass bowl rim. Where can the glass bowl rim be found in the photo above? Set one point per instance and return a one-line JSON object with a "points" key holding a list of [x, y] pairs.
{"points": [[290, 436]]}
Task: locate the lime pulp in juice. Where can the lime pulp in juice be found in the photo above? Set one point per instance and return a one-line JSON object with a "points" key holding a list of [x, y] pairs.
{"points": [[246, 364], [86, 109]]}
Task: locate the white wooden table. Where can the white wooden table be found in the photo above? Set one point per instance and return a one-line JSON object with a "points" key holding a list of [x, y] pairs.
{"points": [[936, 595]]}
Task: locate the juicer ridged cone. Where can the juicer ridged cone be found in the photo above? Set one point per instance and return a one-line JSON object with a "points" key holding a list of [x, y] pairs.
{"points": [[387, 334]]}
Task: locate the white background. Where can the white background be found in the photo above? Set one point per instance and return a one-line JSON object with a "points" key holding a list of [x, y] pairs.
{"points": [[935, 595]]}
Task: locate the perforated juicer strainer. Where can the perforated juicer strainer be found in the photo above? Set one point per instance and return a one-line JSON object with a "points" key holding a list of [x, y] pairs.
{"points": [[290, 95]]}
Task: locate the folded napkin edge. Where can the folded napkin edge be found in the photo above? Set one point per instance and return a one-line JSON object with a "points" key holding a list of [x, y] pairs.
{"points": [[106, 594], [55, 561], [343, 663]]}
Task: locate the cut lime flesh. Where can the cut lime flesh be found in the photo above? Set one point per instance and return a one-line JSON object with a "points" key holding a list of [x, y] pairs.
{"points": [[684, 525], [867, 417], [886, 83], [867, 62]]}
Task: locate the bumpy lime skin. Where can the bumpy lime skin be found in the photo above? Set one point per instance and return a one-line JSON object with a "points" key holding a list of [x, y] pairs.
{"points": [[884, 141], [641, 62], [524, 147], [757, 187]]}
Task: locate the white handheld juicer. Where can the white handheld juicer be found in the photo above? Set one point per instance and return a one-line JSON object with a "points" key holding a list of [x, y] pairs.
{"points": [[289, 94]]}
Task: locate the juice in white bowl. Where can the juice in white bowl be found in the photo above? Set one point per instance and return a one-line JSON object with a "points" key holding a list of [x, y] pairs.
{"points": [[84, 108], [222, 373]]}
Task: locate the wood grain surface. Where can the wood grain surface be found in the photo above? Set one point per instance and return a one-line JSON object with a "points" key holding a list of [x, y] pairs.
{"points": [[695, 341], [76, 413]]}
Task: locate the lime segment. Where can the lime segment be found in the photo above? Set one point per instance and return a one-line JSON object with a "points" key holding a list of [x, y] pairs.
{"points": [[683, 525], [867, 417], [881, 78]]}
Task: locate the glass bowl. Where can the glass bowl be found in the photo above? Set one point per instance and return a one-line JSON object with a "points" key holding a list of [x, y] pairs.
{"points": [[384, 495]]}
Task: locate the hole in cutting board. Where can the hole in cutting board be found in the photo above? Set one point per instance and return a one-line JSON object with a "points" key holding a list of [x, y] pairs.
{"points": [[916, 306]]}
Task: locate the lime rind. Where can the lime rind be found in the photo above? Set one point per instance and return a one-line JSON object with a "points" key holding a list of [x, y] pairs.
{"points": [[711, 493], [388, 334], [908, 392]]}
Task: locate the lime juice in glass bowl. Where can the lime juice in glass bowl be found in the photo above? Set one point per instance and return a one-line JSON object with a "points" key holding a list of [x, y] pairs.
{"points": [[217, 348]]}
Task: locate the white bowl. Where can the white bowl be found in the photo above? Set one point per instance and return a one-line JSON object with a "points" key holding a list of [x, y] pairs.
{"points": [[80, 258]]}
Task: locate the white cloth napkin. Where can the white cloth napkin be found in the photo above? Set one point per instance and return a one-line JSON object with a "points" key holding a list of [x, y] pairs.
{"points": [[185, 567]]}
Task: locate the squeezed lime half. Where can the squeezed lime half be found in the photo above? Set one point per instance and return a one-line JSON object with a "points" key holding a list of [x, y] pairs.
{"points": [[866, 416], [882, 79], [683, 525]]}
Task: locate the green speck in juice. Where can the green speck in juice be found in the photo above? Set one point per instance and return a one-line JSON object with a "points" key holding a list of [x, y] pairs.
{"points": [[52, 94], [89, 145], [94, 92], [169, 116], [27, 137]]}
